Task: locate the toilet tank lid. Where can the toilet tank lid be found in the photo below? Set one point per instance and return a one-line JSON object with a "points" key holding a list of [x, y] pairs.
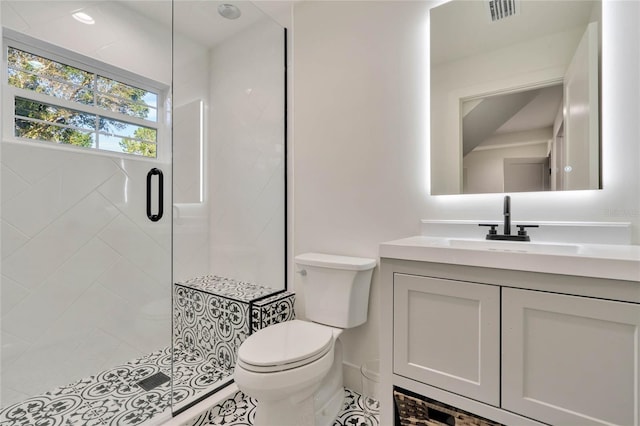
{"points": [[333, 261]]}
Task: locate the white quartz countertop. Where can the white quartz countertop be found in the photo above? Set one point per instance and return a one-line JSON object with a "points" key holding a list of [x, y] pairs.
{"points": [[611, 261]]}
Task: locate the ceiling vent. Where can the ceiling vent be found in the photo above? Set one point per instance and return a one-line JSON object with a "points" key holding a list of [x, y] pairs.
{"points": [[501, 9]]}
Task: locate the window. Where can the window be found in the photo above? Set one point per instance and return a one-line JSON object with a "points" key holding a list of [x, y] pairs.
{"points": [[58, 101]]}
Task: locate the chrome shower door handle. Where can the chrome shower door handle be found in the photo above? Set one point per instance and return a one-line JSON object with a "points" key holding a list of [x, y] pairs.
{"points": [[153, 172]]}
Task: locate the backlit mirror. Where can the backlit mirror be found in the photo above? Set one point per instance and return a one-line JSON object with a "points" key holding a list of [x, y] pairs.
{"points": [[515, 96]]}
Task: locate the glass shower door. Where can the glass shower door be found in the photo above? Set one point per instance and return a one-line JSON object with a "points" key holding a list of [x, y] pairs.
{"points": [[85, 208], [229, 188]]}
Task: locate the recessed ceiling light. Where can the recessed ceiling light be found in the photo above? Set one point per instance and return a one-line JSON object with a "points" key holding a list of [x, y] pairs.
{"points": [[84, 18], [229, 11]]}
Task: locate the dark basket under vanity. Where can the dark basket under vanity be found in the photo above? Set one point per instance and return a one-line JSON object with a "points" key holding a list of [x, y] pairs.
{"points": [[416, 410]]}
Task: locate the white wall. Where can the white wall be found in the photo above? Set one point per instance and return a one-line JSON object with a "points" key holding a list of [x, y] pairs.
{"points": [[359, 147], [246, 155], [361, 138]]}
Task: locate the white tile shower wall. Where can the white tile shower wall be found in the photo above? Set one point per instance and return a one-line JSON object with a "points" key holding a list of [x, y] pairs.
{"points": [[120, 36], [246, 156], [82, 286], [187, 160], [51, 310], [191, 219], [51, 307]]}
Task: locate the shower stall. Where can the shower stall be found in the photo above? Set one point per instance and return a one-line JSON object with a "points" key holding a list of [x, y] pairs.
{"points": [[143, 149]]}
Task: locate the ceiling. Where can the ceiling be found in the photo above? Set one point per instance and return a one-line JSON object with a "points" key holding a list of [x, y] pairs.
{"points": [[462, 28], [199, 20]]}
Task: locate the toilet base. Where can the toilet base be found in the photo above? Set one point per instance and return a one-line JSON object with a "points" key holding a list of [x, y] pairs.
{"points": [[299, 413], [285, 413], [319, 406], [326, 416], [310, 403]]}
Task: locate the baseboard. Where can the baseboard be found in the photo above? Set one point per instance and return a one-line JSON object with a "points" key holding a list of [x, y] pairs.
{"points": [[351, 376]]}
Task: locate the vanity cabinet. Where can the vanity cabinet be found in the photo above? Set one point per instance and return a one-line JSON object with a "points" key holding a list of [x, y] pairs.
{"points": [[515, 347], [570, 360], [447, 334]]}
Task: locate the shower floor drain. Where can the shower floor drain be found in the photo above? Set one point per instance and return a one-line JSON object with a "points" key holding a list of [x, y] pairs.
{"points": [[153, 381]]}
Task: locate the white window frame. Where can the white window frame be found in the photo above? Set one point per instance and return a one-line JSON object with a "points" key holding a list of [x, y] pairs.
{"points": [[11, 38]]}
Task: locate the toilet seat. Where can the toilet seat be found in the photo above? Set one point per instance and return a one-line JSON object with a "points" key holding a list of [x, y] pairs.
{"points": [[285, 346]]}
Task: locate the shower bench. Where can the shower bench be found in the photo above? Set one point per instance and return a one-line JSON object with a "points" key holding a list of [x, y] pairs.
{"points": [[213, 315]]}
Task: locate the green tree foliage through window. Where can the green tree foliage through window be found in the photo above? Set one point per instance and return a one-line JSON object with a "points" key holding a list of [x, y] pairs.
{"points": [[134, 146], [85, 127]]}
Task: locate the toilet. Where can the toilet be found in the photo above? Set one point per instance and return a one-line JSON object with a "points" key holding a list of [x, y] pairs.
{"points": [[294, 369]]}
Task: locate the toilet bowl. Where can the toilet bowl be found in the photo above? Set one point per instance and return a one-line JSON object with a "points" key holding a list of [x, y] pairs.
{"points": [[294, 369], [283, 366]]}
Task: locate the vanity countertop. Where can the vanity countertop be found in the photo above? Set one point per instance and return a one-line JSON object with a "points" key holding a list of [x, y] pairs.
{"points": [[610, 261]]}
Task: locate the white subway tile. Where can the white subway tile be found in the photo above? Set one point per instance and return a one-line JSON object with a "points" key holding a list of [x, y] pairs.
{"points": [[36, 207], [125, 237], [34, 315], [12, 183], [12, 348], [58, 242], [31, 161], [12, 239], [132, 284], [11, 294]]}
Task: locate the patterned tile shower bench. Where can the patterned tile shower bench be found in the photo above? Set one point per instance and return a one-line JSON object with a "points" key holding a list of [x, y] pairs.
{"points": [[213, 315]]}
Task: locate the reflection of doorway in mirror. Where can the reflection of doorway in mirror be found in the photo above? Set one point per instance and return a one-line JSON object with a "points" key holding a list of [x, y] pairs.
{"points": [[494, 81], [526, 174], [557, 160], [581, 115], [485, 171], [510, 127]]}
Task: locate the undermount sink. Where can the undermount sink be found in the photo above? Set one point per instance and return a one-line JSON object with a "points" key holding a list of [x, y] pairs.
{"points": [[514, 246]]}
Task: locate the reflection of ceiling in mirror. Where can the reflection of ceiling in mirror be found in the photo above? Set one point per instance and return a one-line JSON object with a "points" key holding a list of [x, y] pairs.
{"points": [[489, 120], [541, 111], [474, 32]]}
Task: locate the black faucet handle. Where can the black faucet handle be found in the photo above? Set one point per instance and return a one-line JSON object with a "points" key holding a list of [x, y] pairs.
{"points": [[493, 230], [522, 231]]}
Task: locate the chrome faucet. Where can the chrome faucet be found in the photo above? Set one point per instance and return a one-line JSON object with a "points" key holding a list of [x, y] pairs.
{"points": [[506, 227]]}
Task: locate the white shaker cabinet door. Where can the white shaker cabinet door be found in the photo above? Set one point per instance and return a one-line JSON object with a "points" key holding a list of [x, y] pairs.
{"points": [[446, 334], [569, 360]]}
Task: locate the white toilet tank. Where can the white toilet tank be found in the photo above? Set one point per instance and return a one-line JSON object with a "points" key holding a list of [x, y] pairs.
{"points": [[336, 288]]}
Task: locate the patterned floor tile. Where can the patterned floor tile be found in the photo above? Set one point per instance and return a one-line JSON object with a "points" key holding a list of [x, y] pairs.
{"points": [[358, 411], [114, 398], [50, 410], [240, 410]]}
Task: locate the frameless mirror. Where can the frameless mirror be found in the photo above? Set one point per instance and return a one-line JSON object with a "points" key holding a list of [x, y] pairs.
{"points": [[515, 96]]}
